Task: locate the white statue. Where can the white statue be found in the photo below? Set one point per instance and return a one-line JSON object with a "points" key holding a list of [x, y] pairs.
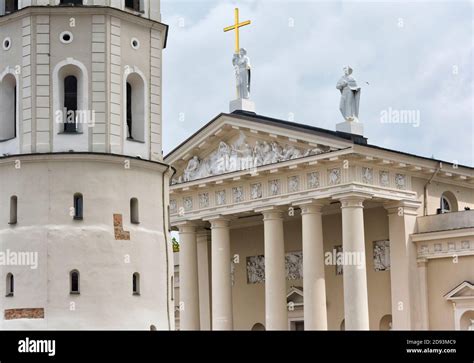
{"points": [[471, 327], [290, 152], [267, 153], [258, 154], [277, 152], [350, 95], [241, 63], [191, 169]]}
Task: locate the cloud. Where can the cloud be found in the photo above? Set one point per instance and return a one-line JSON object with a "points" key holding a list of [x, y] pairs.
{"points": [[415, 56]]}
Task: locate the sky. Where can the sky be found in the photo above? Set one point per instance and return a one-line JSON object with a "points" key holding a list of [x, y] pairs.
{"points": [[411, 58]]}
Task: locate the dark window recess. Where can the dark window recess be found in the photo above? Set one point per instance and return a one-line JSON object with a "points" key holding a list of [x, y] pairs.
{"points": [[11, 6], [129, 111], [134, 214], [75, 282], [13, 210], [133, 4], [14, 111], [78, 207], [70, 2], [10, 285], [136, 283], [70, 104]]}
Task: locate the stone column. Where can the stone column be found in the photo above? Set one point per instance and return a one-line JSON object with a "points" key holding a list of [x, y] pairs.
{"points": [[356, 303], [276, 313], [314, 282], [204, 279], [221, 279], [403, 273], [188, 276], [423, 277]]}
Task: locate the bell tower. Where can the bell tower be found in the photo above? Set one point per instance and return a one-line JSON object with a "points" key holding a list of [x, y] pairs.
{"points": [[83, 186]]}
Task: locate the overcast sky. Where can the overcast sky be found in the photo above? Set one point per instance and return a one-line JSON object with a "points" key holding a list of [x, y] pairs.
{"points": [[414, 56]]}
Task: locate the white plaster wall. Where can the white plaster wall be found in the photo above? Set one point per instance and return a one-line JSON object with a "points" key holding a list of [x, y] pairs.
{"points": [[46, 227]]}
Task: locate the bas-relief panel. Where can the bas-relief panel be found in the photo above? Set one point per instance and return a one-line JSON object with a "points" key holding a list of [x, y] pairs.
{"points": [[381, 254], [256, 267]]}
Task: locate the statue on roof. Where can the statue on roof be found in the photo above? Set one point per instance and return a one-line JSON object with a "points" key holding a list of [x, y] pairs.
{"points": [[350, 95], [242, 68]]}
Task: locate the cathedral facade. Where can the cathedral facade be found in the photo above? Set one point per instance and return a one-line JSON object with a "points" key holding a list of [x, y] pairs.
{"points": [[83, 185], [285, 226]]}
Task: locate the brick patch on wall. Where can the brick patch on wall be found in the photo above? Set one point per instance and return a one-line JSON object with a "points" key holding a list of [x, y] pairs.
{"points": [[14, 314], [120, 234]]}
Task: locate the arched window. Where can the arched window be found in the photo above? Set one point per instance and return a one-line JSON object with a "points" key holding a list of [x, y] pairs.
{"points": [[135, 107], [78, 207], [448, 203], [136, 283], [72, 112], [11, 6], [258, 327], [14, 210], [74, 282], [134, 213], [129, 112], [10, 291], [386, 322], [70, 104], [8, 108]]}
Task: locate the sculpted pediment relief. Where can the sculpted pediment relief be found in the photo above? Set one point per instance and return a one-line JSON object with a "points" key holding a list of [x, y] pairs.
{"points": [[243, 152]]}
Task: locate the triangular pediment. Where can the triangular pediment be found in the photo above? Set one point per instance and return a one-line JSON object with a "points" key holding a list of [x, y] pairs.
{"points": [[295, 296], [234, 143], [465, 290]]}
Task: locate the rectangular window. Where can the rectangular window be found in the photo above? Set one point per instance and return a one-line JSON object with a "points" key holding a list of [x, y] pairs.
{"points": [[13, 210], [133, 4], [11, 6], [70, 104]]}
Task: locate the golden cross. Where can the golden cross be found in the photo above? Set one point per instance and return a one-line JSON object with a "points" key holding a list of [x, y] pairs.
{"points": [[236, 27]]}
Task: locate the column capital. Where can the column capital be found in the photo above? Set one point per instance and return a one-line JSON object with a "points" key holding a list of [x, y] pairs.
{"points": [[187, 226], [219, 221], [422, 262], [310, 206], [352, 199], [203, 232], [403, 207], [271, 213]]}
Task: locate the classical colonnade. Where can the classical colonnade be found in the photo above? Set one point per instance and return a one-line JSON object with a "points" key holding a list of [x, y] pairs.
{"points": [[402, 217]]}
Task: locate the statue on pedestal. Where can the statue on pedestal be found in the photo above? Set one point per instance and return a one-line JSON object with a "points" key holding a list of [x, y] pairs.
{"points": [[242, 68], [350, 95]]}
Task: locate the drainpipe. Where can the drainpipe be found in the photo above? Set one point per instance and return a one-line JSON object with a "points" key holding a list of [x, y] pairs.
{"points": [[166, 224], [425, 189]]}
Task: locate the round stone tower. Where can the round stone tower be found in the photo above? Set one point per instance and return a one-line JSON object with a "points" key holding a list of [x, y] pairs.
{"points": [[84, 240]]}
